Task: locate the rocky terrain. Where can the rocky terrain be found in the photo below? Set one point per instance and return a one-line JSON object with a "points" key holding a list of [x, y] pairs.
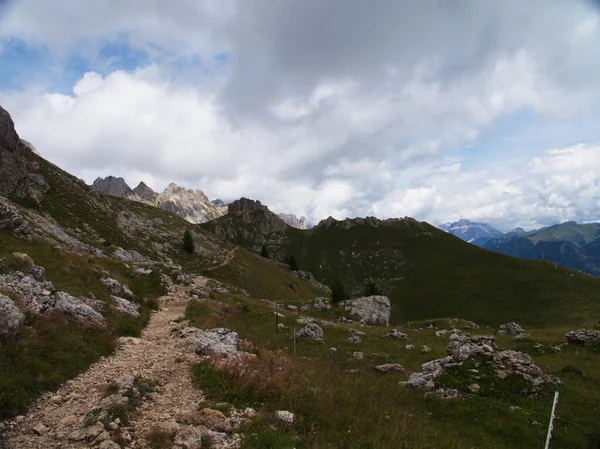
{"points": [[193, 206], [293, 221]]}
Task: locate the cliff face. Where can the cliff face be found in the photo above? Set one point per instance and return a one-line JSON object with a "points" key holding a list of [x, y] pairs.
{"points": [[293, 220], [112, 186], [192, 205], [18, 178]]}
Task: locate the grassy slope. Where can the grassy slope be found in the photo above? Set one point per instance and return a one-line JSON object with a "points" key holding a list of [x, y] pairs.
{"points": [[577, 234], [431, 274], [51, 350], [72, 203], [336, 407]]}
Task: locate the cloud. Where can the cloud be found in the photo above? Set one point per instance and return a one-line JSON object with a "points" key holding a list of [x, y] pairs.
{"points": [[323, 108]]}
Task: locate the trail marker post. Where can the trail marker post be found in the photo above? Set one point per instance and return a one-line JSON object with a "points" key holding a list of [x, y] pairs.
{"points": [[551, 424]]}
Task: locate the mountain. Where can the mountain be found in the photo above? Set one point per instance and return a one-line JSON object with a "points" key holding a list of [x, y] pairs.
{"points": [[218, 202], [193, 206], [571, 245], [294, 221], [472, 232], [112, 186], [425, 272]]}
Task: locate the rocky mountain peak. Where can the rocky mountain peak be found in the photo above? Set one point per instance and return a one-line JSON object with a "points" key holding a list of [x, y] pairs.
{"points": [[112, 186], [293, 221], [245, 206], [174, 189], [145, 192]]}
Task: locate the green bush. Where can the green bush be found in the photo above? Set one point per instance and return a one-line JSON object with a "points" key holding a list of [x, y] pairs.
{"points": [[339, 292], [188, 242]]}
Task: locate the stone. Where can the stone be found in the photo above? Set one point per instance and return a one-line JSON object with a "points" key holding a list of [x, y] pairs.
{"points": [[115, 288], [445, 393], [78, 435], [374, 310], [77, 309], [103, 436], [40, 429], [397, 335], [312, 332], [125, 306], [12, 319], [109, 444], [409, 347], [390, 368], [284, 417], [585, 337], [190, 437], [356, 332], [425, 349], [441, 333], [219, 342], [214, 419], [355, 339], [474, 388], [357, 355], [93, 431], [511, 329], [465, 347], [321, 303]]}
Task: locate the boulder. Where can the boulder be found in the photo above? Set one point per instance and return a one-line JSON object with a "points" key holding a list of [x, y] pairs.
{"points": [[355, 339], [511, 329], [397, 335], [75, 308], [464, 347], [124, 306], [390, 368], [11, 318], [311, 332], [214, 419], [321, 303], [219, 342], [375, 310], [583, 337], [115, 288], [284, 417]]}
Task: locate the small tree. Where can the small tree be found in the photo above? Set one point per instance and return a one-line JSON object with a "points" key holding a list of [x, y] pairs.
{"points": [[292, 263], [372, 288], [264, 252], [339, 292], [188, 242]]}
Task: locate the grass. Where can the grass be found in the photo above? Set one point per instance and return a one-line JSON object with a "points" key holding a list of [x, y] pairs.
{"points": [[338, 407], [52, 350], [428, 273]]}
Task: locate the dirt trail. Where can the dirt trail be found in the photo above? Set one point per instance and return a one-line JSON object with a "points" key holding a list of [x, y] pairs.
{"points": [[228, 258], [157, 356]]}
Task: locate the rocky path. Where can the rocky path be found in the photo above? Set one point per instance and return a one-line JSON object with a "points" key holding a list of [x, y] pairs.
{"points": [[149, 375], [228, 258]]}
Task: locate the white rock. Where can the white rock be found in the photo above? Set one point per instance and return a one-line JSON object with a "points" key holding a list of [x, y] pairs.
{"points": [[284, 417]]}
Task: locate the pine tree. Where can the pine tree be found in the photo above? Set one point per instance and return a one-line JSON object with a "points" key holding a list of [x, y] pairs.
{"points": [[372, 288], [264, 252], [292, 263], [339, 292], [188, 242]]}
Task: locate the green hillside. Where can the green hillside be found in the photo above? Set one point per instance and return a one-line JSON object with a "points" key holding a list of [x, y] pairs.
{"points": [[428, 273]]}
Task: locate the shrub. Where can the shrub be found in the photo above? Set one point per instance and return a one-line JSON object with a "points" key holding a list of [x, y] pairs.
{"points": [[292, 263], [264, 252], [372, 288]]}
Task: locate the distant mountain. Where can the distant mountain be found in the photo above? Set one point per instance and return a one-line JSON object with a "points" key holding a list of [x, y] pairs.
{"points": [[294, 221], [193, 206], [569, 244], [477, 233], [219, 202]]}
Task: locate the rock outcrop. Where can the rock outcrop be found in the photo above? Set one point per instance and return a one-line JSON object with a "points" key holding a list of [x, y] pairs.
{"points": [[124, 306], [193, 206], [74, 308], [11, 318], [311, 332], [375, 310], [586, 337], [112, 186], [219, 342], [145, 193], [512, 329], [503, 362], [293, 221]]}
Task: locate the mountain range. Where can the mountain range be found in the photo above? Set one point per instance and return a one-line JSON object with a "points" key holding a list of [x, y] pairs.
{"points": [[469, 231]]}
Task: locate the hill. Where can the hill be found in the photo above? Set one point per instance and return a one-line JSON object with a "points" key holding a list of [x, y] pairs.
{"points": [[571, 245], [427, 273]]}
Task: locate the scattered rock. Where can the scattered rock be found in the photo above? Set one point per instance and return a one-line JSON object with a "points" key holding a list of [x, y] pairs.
{"points": [[190, 437], [357, 355], [356, 332], [109, 444], [397, 335], [311, 332], [355, 339], [11, 318], [441, 333], [40, 429], [583, 337], [445, 393], [474, 388], [115, 288], [375, 310], [321, 303], [425, 349], [284, 417], [124, 306], [511, 329], [75, 308], [214, 419], [390, 368], [217, 342], [409, 347]]}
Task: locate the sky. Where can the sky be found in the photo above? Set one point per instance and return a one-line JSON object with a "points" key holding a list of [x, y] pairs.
{"points": [[438, 110]]}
